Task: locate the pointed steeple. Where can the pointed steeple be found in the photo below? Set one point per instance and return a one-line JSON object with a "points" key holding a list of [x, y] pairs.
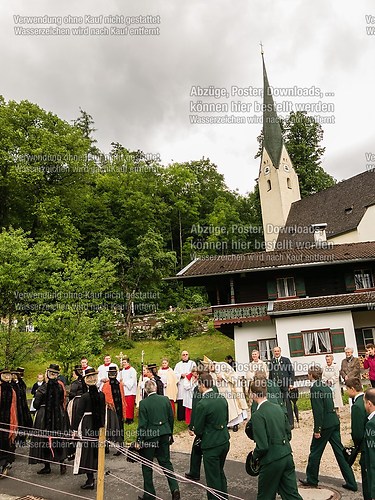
{"points": [[272, 136]]}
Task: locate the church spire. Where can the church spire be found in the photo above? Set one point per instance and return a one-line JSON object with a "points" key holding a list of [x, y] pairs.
{"points": [[272, 136]]}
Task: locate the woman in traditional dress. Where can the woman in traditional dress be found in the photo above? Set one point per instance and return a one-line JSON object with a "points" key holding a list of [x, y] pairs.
{"points": [[8, 419], [331, 376], [88, 419], [113, 391], [51, 420]]}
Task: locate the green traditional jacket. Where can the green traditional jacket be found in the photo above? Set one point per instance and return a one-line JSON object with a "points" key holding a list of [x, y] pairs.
{"points": [[274, 395], [322, 407], [370, 455], [197, 396], [211, 420], [270, 429], [155, 418], [358, 421]]}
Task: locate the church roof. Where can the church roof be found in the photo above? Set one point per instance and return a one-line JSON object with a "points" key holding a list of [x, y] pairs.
{"points": [[263, 261], [341, 207], [272, 136]]}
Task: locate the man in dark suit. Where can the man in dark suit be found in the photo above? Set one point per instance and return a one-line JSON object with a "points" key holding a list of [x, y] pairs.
{"points": [[210, 425], [369, 399], [358, 424], [282, 373], [326, 429], [154, 434], [270, 429]]}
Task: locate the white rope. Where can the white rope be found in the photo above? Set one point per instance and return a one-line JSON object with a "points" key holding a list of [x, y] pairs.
{"points": [[45, 487]]}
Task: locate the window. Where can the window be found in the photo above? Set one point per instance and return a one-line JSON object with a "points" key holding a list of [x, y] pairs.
{"points": [[316, 342], [363, 279], [285, 287], [368, 335], [266, 348]]}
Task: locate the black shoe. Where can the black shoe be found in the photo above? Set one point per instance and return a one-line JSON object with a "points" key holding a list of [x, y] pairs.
{"points": [[350, 488], [235, 428], [306, 483], [189, 476], [87, 486], [176, 495], [62, 469], [45, 470]]}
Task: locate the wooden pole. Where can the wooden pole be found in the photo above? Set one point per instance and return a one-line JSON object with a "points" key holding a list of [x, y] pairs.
{"points": [[101, 460]]}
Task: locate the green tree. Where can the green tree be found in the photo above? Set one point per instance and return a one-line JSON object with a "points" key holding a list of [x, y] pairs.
{"points": [[25, 278], [140, 271]]}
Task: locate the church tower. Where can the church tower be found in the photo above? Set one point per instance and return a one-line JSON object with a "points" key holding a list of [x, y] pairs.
{"points": [[278, 181]]}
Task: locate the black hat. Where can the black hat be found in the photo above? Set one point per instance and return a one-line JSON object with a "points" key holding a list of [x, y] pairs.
{"points": [[112, 369], [151, 365], [5, 370], [90, 371], [78, 367], [53, 368], [13, 371], [252, 465], [20, 369]]}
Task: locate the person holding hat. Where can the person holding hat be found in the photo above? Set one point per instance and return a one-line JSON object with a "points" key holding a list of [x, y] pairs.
{"points": [[52, 420], [270, 429], [113, 391], [128, 376], [25, 421], [8, 419], [88, 419]]}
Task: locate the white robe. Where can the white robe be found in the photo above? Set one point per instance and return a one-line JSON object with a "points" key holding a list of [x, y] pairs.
{"points": [[182, 369], [129, 379], [103, 374]]}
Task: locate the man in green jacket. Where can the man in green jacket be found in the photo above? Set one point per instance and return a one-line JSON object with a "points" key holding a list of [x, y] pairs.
{"points": [[370, 441], [326, 429], [210, 425], [270, 429], [154, 434], [358, 424]]}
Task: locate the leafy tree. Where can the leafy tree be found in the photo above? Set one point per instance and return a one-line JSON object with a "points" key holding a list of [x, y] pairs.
{"points": [[80, 294], [139, 272], [25, 274]]}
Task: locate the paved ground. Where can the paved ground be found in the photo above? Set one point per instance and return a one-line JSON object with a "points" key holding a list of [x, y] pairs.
{"points": [[240, 484]]}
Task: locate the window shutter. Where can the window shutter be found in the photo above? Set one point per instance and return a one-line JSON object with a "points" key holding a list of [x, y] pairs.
{"points": [[338, 340], [349, 282], [272, 290], [300, 286], [251, 346], [296, 344]]}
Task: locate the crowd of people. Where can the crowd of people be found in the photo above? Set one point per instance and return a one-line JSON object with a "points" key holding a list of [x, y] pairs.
{"points": [[211, 397]]}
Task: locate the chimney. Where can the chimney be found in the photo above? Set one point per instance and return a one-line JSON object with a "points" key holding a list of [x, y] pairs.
{"points": [[320, 235]]}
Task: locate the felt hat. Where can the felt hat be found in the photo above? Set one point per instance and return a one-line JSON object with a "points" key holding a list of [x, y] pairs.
{"points": [[53, 368], [90, 371], [252, 465]]}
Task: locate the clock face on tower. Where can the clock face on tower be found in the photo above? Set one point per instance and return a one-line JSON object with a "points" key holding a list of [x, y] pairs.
{"points": [[286, 168], [266, 170]]}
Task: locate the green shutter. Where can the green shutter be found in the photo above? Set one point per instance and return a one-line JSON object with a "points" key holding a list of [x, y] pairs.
{"points": [[295, 344], [300, 286], [349, 282], [338, 340], [272, 289], [251, 346]]}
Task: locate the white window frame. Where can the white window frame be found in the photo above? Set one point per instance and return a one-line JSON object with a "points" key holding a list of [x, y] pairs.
{"points": [[366, 338], [363, 279], [316, 342], [266, 352], [286, 287]]}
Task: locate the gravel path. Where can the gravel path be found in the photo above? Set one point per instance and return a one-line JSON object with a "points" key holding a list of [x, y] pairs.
{"points": [[240, 444]]}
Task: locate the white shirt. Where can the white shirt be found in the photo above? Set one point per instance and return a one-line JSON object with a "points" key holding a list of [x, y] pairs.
{"points": [[129, 379], [103, 374], [182, 369]]}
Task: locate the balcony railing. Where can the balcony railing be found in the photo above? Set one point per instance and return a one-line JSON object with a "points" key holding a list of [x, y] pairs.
{"points": [[238, 313]]}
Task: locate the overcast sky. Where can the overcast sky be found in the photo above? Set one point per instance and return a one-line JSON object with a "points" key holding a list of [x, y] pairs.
{"points": [[138, 87]]}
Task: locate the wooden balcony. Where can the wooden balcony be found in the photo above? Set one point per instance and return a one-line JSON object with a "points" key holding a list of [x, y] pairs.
{"points": [[240, 313]]}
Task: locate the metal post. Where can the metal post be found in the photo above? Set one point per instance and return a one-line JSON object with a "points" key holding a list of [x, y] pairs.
{"points": [[101, 461]]}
